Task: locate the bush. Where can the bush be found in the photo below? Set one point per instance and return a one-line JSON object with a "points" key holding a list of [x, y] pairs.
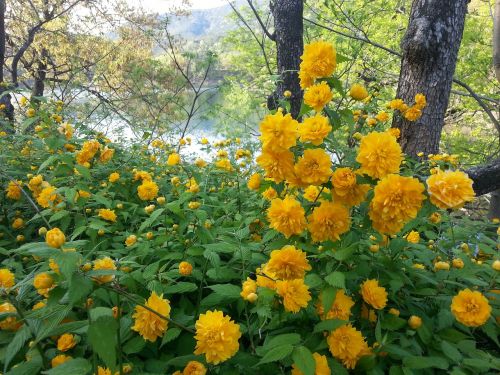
{"points": [[137, 259]]}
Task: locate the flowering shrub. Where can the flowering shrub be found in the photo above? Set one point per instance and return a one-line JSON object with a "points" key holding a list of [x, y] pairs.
{"points": [[333, 253]]}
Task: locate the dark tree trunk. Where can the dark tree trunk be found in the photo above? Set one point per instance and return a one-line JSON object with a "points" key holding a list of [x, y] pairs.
{"points": [[430, 49], [7, 119], [39, 76], [289, 29]]}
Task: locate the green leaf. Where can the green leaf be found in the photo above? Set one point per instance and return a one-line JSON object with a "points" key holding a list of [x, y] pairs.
{"points": [[336, 279], [20, 338], [277, 353], [451, 351], [229, 291], [134, 345], [417, 362], [181, 287], [85, 172], [279, 340], [328, 297], [171, 334], [151, 219], [346, 253], [304, 360], [76, 366], [329, 325], [102, 335]]}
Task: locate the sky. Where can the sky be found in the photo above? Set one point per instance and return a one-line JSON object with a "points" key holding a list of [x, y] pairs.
{"points": [[164, 5]]}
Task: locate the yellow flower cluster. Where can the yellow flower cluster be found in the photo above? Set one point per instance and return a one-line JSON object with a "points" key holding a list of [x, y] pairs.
{"points": [[412, 113], [151, 325]]}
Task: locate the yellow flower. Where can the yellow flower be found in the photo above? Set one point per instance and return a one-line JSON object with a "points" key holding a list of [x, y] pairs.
{"points": [[55, 238], [394, 311], [358, 92], [420, 101], [254, 181], [413, 237], [457, 263], [200, 163], [194, 368], [66, 342], [441, 266], [346, 190], [43, 281], [288, 263], [314, 167], [6, 278], [173, 159], [379, 154], [412, 114], [318, 60], [348, 345], [341, 308], [106, 155], [48, 197], [194, 205], [314, 129], [60, 359], [216, 337], [328, 221], [311, 193], [142, 176], [396, 201], [398, 104], [278, 165], [104, 264], [185, 268], [382, 116], [318, 96], [295, 294], [14, 190], [450, 189], [322, 367], [286, 216], [435, 218], [10, 323], [415, 322], [88, 151], [107, 214], [147, 191], [373, 294], [149, 325], [131, 240], [105, 371], [278, 132], [17, 223], [269, 194], [248, 287], [306, 80], [113, 177], [224, 164], [471, 308]]}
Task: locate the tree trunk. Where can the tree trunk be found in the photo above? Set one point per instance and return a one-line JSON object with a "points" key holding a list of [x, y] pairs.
{"points": [[496, 40], [430, 49], [289, 28], [39, 76], [6, 121]]}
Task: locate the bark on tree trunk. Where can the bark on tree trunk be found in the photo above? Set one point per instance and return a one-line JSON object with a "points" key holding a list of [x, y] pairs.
{"points": [[40, 76], [289, 28], [430, 49], [8, 112]]}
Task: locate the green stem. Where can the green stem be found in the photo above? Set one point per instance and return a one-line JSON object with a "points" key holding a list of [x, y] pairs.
{"points": [[119, 348], [20, 312]]}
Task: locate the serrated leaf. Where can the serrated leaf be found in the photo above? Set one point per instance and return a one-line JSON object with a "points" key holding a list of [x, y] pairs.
{"points": [[279, 340], [181, 287], [22, 335], [276, 354], [171, 334], [418, 362], [329, 325], [304, 360], [102, 335], [336, 279]]}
